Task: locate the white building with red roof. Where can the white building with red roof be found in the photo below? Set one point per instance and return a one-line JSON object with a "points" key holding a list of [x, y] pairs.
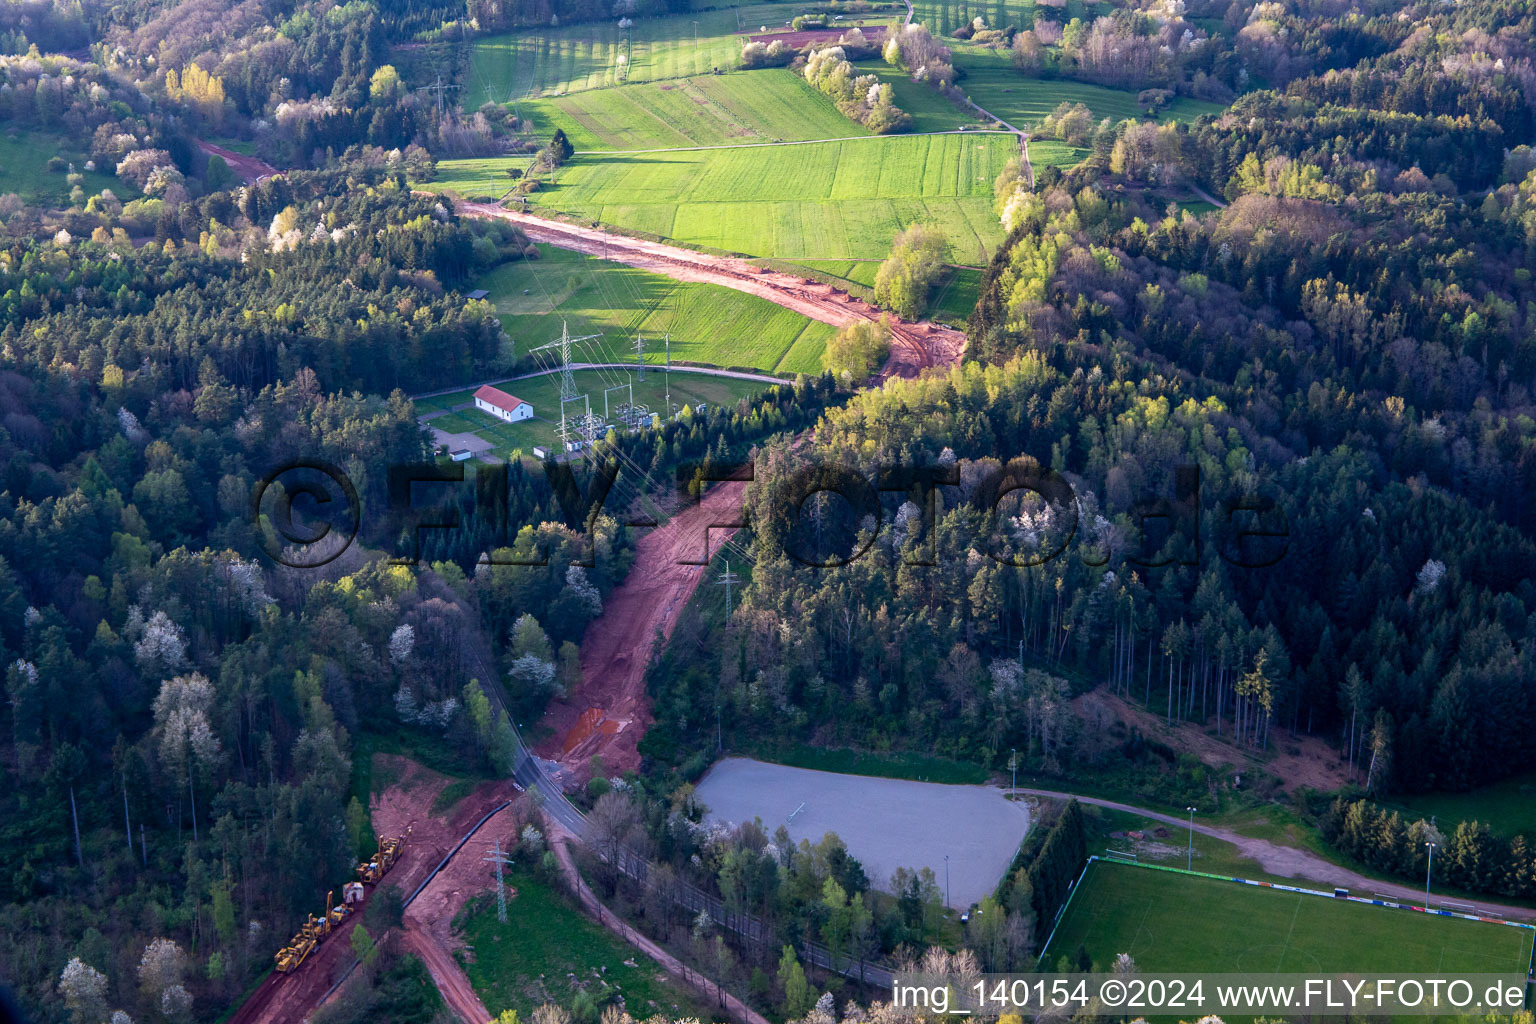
{"points": [[502, 405]]}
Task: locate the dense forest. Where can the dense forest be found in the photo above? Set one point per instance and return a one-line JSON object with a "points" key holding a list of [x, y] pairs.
{"points": [[1342, 354], [1265, 467]]}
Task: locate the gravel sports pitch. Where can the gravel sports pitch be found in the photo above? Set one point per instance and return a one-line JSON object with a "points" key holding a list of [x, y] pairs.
{"points": [[886, 823]]}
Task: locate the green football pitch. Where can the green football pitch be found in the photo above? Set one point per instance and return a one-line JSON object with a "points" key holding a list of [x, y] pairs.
{"points": [[1171, 922]]}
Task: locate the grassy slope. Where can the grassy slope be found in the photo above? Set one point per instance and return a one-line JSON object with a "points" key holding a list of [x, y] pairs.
{"points": [[930, 111], [1173, 922], [768, 105], [524, 963], [823, 201], [578, 57], [24, 156], [1507, 807], [709, 324], [991, 80]]}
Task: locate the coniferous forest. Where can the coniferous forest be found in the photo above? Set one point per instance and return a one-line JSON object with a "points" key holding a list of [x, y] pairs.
{"points": [[1243, 441]]}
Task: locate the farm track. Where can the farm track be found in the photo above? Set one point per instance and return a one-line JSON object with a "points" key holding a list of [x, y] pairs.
{"points": [[917, 346]]}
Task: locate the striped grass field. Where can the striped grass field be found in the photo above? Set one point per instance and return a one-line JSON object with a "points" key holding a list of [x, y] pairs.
{"points": [[709, 325], [1173, 922], [944, 16], [768, 105], [835, 200], [573, 58]]}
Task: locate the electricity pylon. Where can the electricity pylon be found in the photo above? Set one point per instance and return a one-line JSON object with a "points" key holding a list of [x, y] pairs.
{"points": [[567, 378], [499, 858]]}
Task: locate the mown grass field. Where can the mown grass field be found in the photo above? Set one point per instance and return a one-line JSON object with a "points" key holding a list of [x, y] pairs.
{"points": [[708, 324], [687, 389], [767, 105], [836, 200], [992, 81], [1171, 922], [573, 58], [529, 960], [24, 156], [944, 16]]}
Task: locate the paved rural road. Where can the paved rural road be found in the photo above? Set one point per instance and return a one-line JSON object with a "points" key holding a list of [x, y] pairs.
{"points": [[1285, 861]]}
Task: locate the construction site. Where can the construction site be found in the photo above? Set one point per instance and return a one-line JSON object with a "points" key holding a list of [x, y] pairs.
{"points": [[316, 927], [433, 859]]}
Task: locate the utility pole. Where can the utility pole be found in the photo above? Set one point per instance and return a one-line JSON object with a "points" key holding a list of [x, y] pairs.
{"points": [[640, 356], [668, 376], [726, 579], [499, 858], [1013, 766], [1189, 863], [1429, 872]]}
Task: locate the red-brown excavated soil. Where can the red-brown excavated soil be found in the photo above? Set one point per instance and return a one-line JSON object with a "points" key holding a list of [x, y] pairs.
{"points": [[249, 169], [609, 712], [405, 803], [916, 346]]}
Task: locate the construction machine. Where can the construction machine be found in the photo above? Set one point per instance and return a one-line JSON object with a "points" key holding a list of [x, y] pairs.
{"points": [[317, 926], [373, 869], [292, 955], [335, 915]]}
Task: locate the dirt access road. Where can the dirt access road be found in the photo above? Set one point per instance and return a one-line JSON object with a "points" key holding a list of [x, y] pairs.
{"points": [[406, 803], [559, 841], [1284, 861], [915, 346], [609, 712], [249, 169]]}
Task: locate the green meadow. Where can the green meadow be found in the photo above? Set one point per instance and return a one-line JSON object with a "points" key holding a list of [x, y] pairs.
{"points": [[1170, 922], [767, 105], [24, 156], [836, 200]]}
